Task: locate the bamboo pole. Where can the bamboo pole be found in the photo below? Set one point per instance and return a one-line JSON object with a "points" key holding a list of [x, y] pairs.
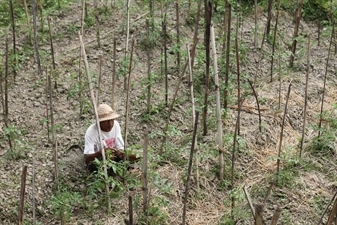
{"points": [[55, 158], [99, 78], [257, 103], [258, 214], [238, 76], [144, 175], [297, 24], [270, 7], [127, 37], [83, 15], [274, 41], [36, 39], [255, 22], [325, 78], [178, 35], [11, 10], [51, 43], [196, 28], [208, 20], [5, 101], [93, 100], [227, 56], [33, 192], [148, 54], [113, 75], [282, 128], [127, 104], [193, 116], [190, 167], [80, 82], [130, 210], [218, 105], [97, 24], [174, 98], [333, 214], [276, 216], [22, 194], [305, 96], [165, 57], [326, 209], [252, 209], [233, 155], [28, 23]]}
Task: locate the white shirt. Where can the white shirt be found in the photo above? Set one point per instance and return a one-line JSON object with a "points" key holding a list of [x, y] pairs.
{"points": [[111, 139]]}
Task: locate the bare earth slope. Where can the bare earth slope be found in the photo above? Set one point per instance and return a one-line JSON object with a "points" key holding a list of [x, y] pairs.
{"points": [[303, 189]]}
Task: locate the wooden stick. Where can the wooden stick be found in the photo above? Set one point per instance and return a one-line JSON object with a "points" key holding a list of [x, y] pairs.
{"points": [[93, 100], [332, 214], [270, 7], [83, 15], [97, 25], [282, 128], [276, 216], [190, 167], [297, 24], [178, 36], [258, 214], [326, 208], [130, 211], [28, 23], [305, 96], [274, 41], [51, 43], [325, 78], [99, 78], [148, 103], [144, 174], [193, 116], [33, 192], [208, 18], [113, 75], [252, 209], [36, 39], [218, 105], [258, 105], [228, 8], [22, 194], [11, 10]]}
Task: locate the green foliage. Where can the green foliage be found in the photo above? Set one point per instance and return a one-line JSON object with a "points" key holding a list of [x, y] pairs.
{"points": [[19, 144], [63, 202]]}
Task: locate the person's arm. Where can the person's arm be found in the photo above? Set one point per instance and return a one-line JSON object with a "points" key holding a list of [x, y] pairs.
{"points": [[91, 157]]}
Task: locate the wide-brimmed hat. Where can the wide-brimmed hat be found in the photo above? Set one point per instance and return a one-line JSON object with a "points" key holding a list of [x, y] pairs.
{"points": [[105, 112]]}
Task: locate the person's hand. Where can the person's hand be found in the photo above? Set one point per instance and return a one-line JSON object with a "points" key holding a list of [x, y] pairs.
{"points": [[119, 154]]}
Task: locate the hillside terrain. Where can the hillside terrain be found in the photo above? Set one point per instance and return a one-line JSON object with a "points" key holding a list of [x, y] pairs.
{"points": [[303, 188]]}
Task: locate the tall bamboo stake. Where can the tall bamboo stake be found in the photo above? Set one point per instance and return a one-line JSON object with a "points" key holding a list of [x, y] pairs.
{"points": [[11, 9], [80, 82], [190, 166], [56, 172], [51, 44], [5, 102], [127, 33], [255, 22], [113, 75], [274, 41], [208, 20], [28, 23], [305, 96], [97, 25], [178, 36], [130, 211], [297, 24], [227, 55], [83, 15], [233, 156], [99, 78], [36, 38], [238, 75], [326, 209], [127, 104], [325, 78], [165, 57], [193, 116], [281, 134], [218, 106], [174, 97], [22, 194], [270, 7], [257, 103], [144, 174], [93, 100], [33, 192], [148, 68], [196, 28]]}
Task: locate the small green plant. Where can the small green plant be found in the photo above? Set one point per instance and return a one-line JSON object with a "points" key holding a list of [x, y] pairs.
{"points": [[19, 144], [64, 201]]}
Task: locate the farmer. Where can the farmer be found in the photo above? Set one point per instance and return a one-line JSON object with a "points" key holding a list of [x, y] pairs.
{"points": [[111, 138]]}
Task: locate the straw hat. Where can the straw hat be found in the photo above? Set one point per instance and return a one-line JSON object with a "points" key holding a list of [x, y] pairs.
{"points": [[105, 112]]}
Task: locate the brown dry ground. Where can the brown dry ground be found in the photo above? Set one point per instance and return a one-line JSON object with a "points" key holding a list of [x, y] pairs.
{"points": [[307, 187]]}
